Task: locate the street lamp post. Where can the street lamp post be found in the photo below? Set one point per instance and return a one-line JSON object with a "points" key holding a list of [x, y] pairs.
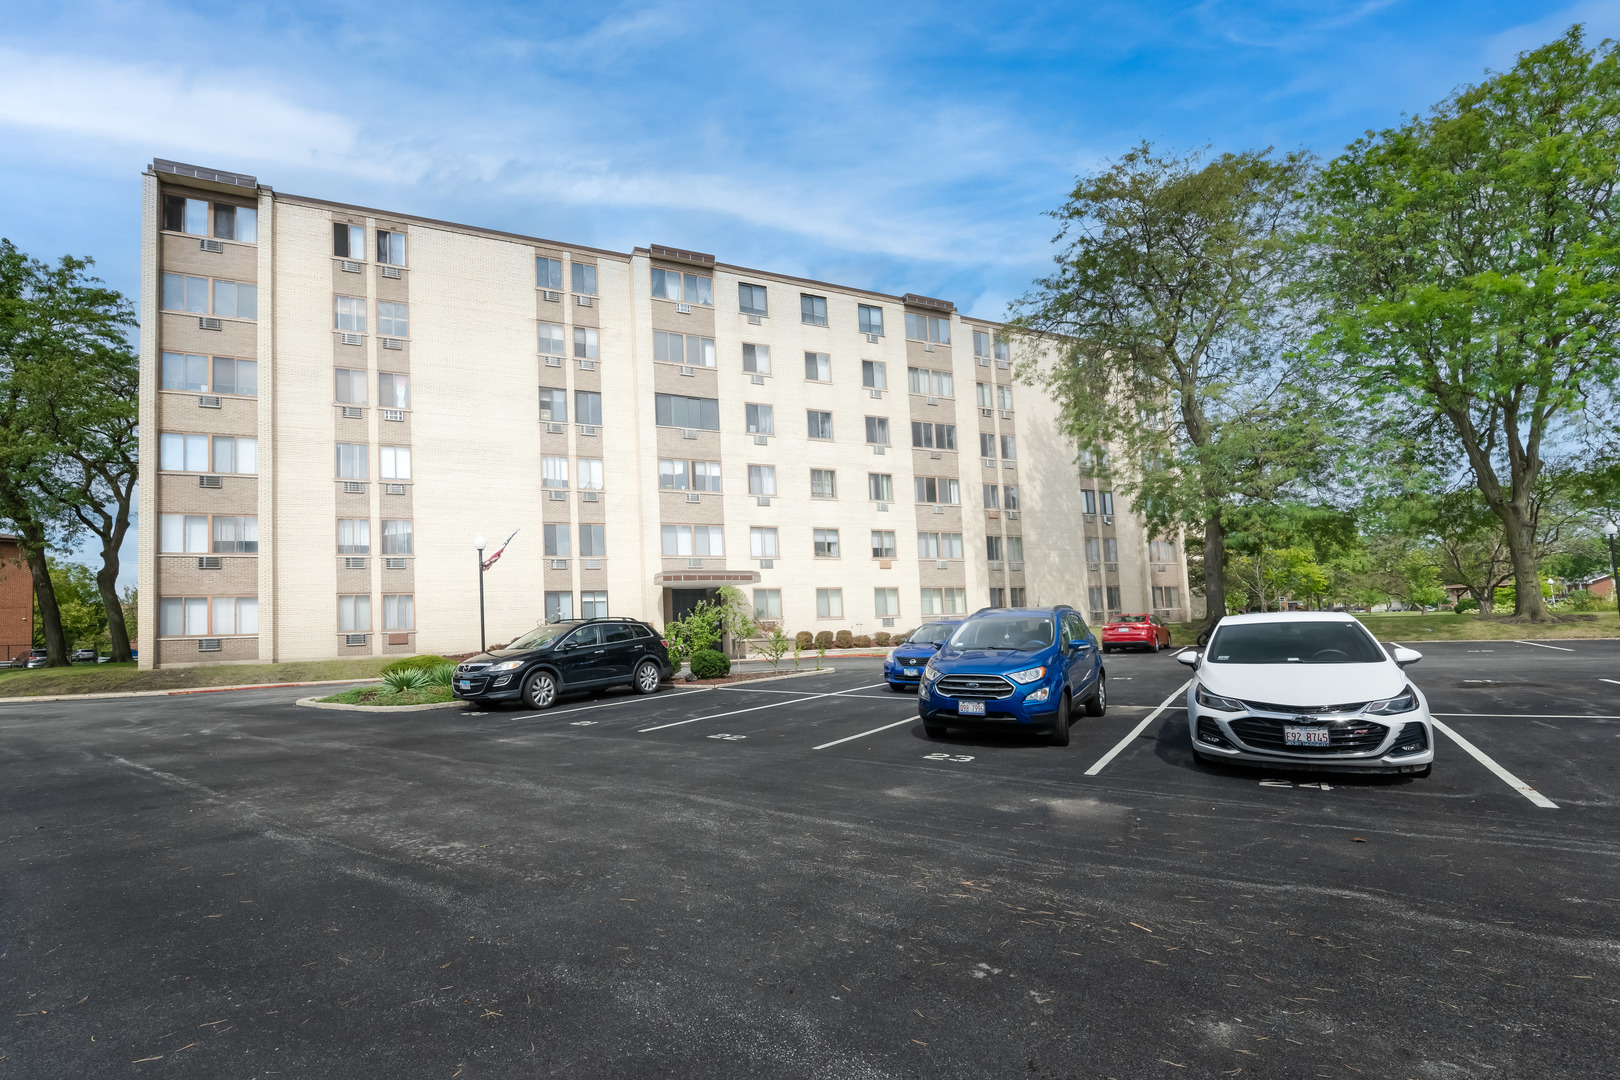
{"points": [[1609, 529], [478, 547]]}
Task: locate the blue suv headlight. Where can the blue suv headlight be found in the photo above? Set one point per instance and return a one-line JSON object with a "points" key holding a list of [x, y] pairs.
{"points": [[1028, 675]]}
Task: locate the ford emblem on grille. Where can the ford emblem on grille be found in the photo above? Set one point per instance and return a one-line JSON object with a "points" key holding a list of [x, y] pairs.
{"points": [[972, 686]]}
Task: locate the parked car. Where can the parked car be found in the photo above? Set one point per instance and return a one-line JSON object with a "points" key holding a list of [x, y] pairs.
{"points": [[580, 654], [19, 661], [36, 658], [1135, 632], [1014, 669], [1307, 690], [902, 668], [83, 656]]}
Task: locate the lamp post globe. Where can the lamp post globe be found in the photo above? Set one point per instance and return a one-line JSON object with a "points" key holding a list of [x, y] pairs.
{"points": [[478, 542], [1610, 528]]}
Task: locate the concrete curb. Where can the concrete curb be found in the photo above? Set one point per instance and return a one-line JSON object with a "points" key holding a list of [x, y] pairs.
{"points": [[180, 691], [315, 703], [750, 682]]}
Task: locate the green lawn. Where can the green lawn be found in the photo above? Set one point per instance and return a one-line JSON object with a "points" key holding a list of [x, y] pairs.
{"points": [[1410, 627], [381, 695], [121, 678]]}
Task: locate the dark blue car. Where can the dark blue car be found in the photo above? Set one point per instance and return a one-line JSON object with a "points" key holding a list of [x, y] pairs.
{"points": [[1023, 669], [902, 668]]}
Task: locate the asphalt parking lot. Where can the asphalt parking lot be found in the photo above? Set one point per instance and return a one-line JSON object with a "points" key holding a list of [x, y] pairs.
{"points": [[789, 880]]}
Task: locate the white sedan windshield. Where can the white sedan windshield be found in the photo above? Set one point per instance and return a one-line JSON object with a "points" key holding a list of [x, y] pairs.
{"points": [[1303, 642]]}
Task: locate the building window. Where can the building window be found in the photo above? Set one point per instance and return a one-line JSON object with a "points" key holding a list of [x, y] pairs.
{"points": [[1113, 598], [553, 405], [584, 278], [930, 382], [823, 484], [932, 602], [390, 248], [928, 328], [932, 545], [694, 541], [688, 349], [232, 299], [672, 475], [1015, 596], [351, 386], [394, 462], [757, 359], [553, 471], [399, 611], [762, 479], [938, 489], [992, 548], [593, 605], [826, 543], [820, 424], [349, 241], [231, 222], [585, 343], [1088, 501], [1110, 549], [928, 545], [351, 314], [181, 214], [705, 476], [1095, 595], [926, 436], [1161, 551], [1093, 550], [956, 601], [874, 374], [396, 537], [1004, 397], [233, 454], [587, 407], [1108, 502], [553, 341], [392, 319], [1015, 549], [761, 419], [1009, 447], [204, 616], [880, 487], [813, 309], [882, 544], [829, 603], [393, 390], [182, 453], [590, 473], [886, 602], [1166, 596], [184, 371], [987, 444], [354, 614], [673, 410], [686, 288], [818, 367], [547, 273], [555, 537], [352, 461], [877, 430], [183, 292], [870, 319], [236, 535], [1003, 350], [592, 541], [767, 603], [559, 606], [981, 344], [762, 543], [751, 300], [183, 534], [986, 396], [998, 597], [1010, 492], [354, 536]]}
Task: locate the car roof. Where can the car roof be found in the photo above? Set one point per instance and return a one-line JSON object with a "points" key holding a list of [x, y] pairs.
{"points": [[1020, 610], [1290, 616]]}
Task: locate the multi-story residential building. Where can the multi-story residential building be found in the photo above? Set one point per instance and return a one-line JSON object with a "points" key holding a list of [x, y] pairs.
{"points": [[335, 400]]}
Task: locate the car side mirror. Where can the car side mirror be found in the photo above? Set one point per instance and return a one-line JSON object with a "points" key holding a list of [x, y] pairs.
{"points": [[1188, 656], [1077, 643], [1404, 656]]}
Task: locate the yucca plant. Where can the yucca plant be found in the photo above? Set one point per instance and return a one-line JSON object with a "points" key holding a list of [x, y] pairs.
{"points": [[406, 680], [441, 674]]}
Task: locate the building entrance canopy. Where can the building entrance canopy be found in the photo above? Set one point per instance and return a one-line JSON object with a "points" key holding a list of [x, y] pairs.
{"points": [[705, 579]]}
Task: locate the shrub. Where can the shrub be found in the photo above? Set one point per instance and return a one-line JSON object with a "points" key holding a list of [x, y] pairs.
{"points": [[406, 679], [1467, 603], [805, 639], [902, 637], [881, 639], [710, 664], [844, 640], [441, 674], [823, 640], [862, 641], [415, 663], [775, 646], [1584, 600]]}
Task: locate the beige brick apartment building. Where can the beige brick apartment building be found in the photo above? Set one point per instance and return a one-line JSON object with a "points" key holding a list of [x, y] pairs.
{"points": [[335, 400]]}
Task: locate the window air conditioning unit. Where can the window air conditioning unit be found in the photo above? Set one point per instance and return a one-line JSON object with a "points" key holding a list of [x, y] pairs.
{"points": [[761, 440], [877, 394], [587, 429], [1159, 568], [933, 455], [1002, 364], [1093, 566], [354, 487], [688, 370], [989, 462], [987, 412], [762, 500], [590, 496], [212, 245], [354, 639], [938, 509], [393, 489], [209, 644], [352, 339], [396, 415], [210, 482], [995, 564], [585, 301], [942, 564], [1009, 464], [872, 339], [554, 361], [933, 400], [207, 401], [393, 564], [354, 562], [389, 271], [392, 343], [553, 428], [349, 266], [587, 365], [880, 450], [767, 564], [757, 380], [688, 433], [593, 564], [888, 622], [1006, 415], [883, 508], [694, 564], [984, 361], [559, 564], [1015, 566], [1088, 517], [209, 562], [208, 322], [692, 496], [557, 496], [1012, 515], [754, 320], [1111, 568], [552, 295], [1108, 520], [353, 412], [928, 346], [684, 309]]}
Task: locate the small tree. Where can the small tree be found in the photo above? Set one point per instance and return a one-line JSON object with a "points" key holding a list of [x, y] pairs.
{"points": [[734, 614], [775, 646], [799, 643]]}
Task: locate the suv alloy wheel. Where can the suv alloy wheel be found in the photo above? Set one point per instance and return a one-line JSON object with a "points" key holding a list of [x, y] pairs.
{"points": [[540, 692], [647, 678]]}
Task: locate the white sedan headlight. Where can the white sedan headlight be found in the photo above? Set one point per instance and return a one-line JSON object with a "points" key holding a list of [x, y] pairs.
{"points": [[1215, 701], [1028, 675], [1403, 703]]}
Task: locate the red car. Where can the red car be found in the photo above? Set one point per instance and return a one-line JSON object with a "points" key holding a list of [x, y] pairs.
{"points": [[1135, 632]]}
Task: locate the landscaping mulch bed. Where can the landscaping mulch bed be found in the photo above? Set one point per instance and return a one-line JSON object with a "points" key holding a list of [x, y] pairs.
{"points": [[744, 676]]}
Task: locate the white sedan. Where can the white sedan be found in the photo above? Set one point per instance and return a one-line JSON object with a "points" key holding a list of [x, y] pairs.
{"points": [[1306, 690]]}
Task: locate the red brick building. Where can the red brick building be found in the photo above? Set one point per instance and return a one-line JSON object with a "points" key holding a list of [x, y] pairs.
{"points": [[16, 600]]}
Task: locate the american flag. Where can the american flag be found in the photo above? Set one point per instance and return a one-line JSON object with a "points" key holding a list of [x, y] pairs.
{"points": [[493, 559]]}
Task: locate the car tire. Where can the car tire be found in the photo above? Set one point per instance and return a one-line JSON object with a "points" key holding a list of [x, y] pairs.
{"points": [[540, 690], [933, 731], [1060, 729], [1202, 759], [897, 688], [647, 678], [1097, 703], [1107, 649]]}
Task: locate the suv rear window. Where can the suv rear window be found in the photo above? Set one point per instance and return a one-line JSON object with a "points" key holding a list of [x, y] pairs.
{"points": [[1293, 643]]}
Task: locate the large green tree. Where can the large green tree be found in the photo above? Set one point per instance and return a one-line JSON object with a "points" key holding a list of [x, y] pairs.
{"points": [[1470, 274], [1168, 322]]}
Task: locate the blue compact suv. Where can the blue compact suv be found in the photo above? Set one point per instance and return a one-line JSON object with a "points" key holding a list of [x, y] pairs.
{"points": [[1024, 669], [902, 668]]}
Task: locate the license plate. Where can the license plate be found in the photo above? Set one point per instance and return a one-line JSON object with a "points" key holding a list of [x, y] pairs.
{"points": [[970, 708], [1305, 736], [911, 672], [464, 684]]}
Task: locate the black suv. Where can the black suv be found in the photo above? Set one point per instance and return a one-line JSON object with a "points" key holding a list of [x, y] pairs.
{"points": [[585, 654]]}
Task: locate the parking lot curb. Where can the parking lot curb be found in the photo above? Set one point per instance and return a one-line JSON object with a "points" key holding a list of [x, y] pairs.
{"points": [[316, 703], [768, 678], [178, 691]]}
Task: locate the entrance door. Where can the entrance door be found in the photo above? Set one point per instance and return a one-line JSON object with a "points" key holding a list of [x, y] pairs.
{"points": [[682, 601]]}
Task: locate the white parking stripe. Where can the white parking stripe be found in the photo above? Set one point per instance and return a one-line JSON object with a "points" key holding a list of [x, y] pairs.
{"points": [[1485, 759], [1615, 681], [864, 734], [1103, 761], [756, 708], [620, 701], [1539, 645], [1530, 716]]}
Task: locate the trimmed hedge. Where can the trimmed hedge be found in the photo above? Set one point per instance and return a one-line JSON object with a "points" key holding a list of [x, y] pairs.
{"points": [[881, 639], [844, 640], [806, 640], [710, 664], [824, 640], [862, 641], [415, 663]]}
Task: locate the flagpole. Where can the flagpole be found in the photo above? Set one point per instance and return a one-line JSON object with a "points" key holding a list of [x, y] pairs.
{"points": [[478, 549]]}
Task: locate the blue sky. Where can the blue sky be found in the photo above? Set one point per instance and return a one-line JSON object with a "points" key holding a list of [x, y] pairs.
{"points": [[892, 146]]}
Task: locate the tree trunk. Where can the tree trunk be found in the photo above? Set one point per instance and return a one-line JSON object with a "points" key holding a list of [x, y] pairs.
{"points": [[32, 543], [107, 582], [1214, 571], [1520, 536]]}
